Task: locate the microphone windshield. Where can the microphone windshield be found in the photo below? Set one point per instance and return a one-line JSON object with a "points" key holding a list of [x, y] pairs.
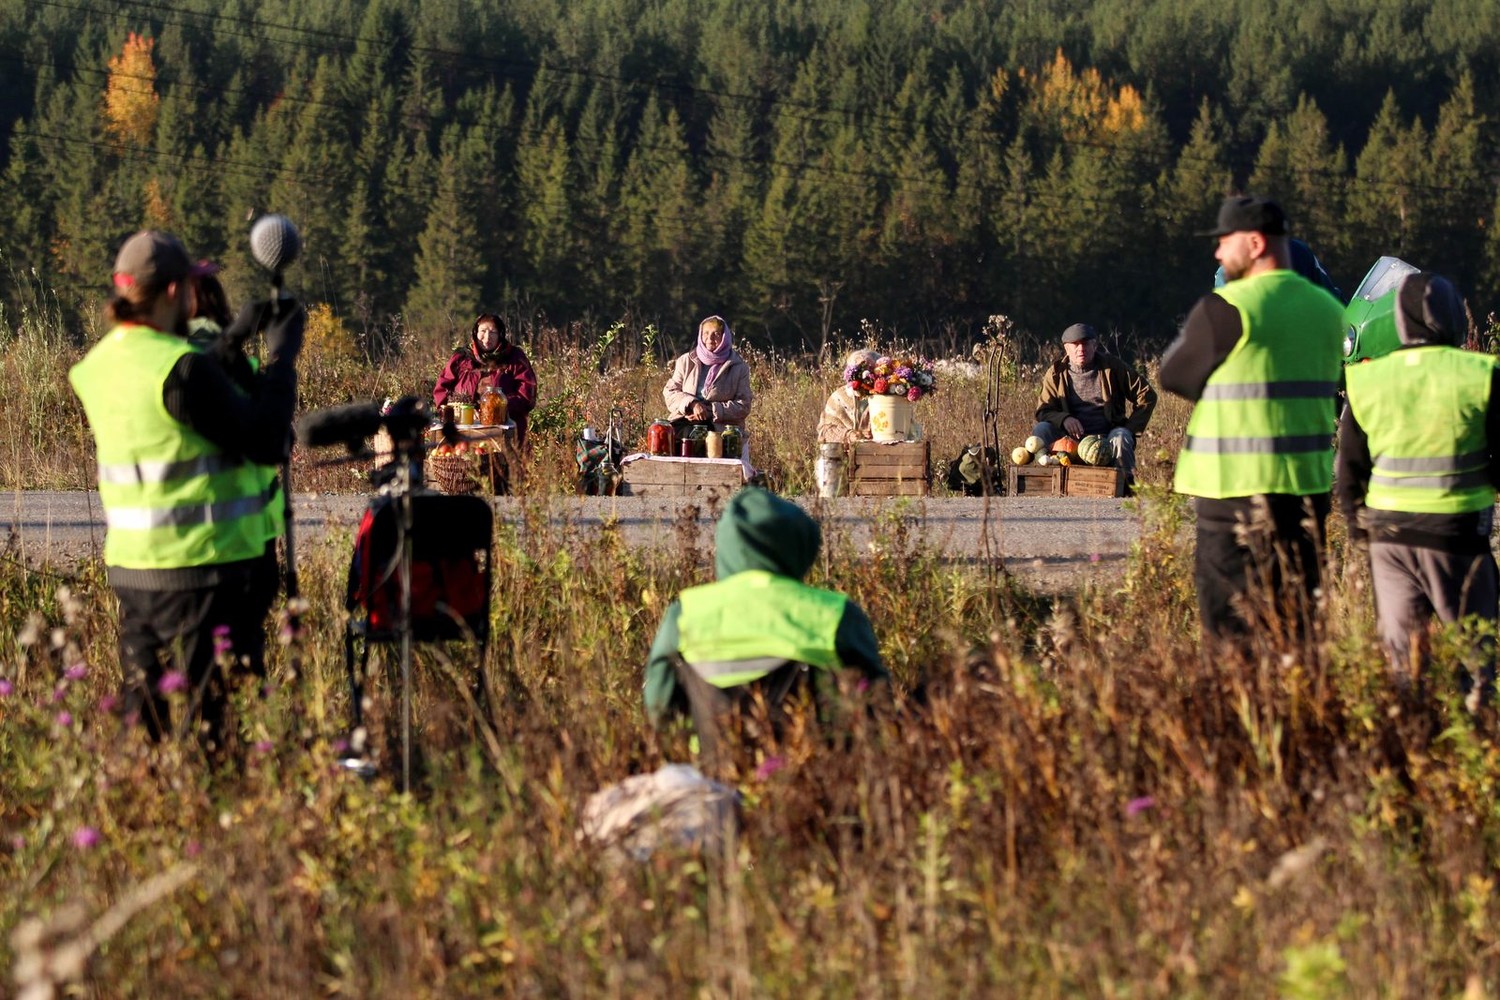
{"points": [[274, 242]]}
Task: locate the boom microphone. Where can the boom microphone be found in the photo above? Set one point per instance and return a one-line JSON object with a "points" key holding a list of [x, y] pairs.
{"points": [[352, 422]]}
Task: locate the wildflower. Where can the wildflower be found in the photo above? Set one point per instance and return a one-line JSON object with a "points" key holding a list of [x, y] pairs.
{"points": [[59, 693], [6, 687], [263, 746], [85, 837], [76, 672], [1137, 806], [31, 632], [193, 848], [172, 680], [1095, 557], [222, 644], [64, 719], [768, 767], [109, 703]]}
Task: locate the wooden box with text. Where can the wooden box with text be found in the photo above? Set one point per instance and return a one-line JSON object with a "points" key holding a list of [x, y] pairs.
{"points": [[889, 470], [1093, 481]]}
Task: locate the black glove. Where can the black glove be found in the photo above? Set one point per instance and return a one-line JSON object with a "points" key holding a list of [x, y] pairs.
{"points": [[284, 331], [251, 320]]}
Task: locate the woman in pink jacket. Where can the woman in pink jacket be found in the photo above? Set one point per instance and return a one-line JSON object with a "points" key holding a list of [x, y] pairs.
{"points": [[711, 383], [490, 359]]}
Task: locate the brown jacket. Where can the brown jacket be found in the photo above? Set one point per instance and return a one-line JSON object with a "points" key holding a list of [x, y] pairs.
{"points": [[728, 394], [1120, 383]]}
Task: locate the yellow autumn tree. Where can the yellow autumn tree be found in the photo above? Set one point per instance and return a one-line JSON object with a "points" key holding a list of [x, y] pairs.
{"points": [[158, 207], [1080, 105], [130, 98]]}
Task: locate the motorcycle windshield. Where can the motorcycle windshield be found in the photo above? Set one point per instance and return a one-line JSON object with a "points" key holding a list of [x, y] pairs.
{"points": [[1383, 277]]}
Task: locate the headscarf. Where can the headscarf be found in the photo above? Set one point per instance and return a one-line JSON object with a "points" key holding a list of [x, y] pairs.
{"points": [[715, 359], [489, 358]]}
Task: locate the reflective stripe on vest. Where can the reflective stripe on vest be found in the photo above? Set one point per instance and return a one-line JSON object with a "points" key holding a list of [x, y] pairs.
{"points": [[171, 498], [146, 518], [1264, 422], [746, 626], [1424, 412], [161, 472]]}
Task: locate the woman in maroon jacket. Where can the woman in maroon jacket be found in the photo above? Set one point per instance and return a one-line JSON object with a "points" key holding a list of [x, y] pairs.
{"points": [[490, 359]]}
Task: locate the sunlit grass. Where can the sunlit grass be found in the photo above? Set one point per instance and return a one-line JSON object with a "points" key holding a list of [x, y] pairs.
{"points": [[1060, 797]]}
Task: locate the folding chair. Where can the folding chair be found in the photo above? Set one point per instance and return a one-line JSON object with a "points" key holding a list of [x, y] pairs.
{"points": [[446, 543]]}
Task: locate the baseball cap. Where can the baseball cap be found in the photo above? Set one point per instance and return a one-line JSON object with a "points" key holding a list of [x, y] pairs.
{"points": [[1249, 214], [156, 259], [1079, 332]]}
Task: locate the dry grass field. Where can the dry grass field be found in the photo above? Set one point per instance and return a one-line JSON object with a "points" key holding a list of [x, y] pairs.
{"points": [[1059, 797]]}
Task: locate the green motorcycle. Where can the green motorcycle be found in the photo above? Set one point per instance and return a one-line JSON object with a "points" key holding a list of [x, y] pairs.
{"points": [[1370, 316]]}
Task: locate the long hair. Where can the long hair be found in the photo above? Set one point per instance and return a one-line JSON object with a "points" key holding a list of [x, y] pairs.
{"points": [[132, 303], [213, 301]]}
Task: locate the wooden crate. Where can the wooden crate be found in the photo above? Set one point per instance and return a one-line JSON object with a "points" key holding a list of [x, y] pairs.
{"points": [[1092, 481], [1035, 480], [890, 470], [680, 477]]}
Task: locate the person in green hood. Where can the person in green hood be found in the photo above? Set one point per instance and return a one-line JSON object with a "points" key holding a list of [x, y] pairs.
{"points": [[758, 626]]}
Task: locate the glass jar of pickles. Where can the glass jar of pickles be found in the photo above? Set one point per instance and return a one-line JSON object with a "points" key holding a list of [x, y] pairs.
{"points": [[493, 406]]}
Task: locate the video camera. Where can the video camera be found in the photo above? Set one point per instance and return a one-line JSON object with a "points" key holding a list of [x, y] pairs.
{"points": [[354, 423], [351, 425]]}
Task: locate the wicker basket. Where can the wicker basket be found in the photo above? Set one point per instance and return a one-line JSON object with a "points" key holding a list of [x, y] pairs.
{"points": [[458, 474]]}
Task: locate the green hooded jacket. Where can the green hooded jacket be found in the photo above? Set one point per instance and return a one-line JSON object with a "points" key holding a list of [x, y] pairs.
{"points": [[760, 532]]}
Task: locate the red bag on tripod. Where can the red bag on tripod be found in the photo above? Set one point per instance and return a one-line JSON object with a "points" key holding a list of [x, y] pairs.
{"points": [[450, 569]]}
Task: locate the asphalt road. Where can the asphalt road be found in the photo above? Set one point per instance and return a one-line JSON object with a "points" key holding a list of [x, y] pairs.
{"points": [[1050, 542]]}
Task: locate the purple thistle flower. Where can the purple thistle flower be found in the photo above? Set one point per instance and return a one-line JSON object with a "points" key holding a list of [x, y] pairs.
{"points": [[1137, 806], [193, 848], [768, 767], [109, 703], [263, 746], [76, 672], [64, 718], [171, 681], [6, 687], [85, 837], [222, 643], [59, 693]]}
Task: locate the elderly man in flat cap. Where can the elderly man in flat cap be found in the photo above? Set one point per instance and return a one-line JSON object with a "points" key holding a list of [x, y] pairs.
{"points": [[1087, 391], [1417, 474]]}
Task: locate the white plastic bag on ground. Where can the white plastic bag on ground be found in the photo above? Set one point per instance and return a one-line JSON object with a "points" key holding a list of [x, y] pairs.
{"points": [[675, 806]]}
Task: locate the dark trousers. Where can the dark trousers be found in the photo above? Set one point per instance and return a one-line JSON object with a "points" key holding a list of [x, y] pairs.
{"points": [[719, 712], [1257, 563], [1413, 585], [205, 636]]}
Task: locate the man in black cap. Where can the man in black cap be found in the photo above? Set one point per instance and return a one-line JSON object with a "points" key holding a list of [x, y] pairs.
{"points": [[188, 509], [1417, 475], [1261, 359], [1087, 392]]}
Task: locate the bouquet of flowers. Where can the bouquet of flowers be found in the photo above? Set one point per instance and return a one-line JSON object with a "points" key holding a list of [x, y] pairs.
{"points": [[892, 375]]}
